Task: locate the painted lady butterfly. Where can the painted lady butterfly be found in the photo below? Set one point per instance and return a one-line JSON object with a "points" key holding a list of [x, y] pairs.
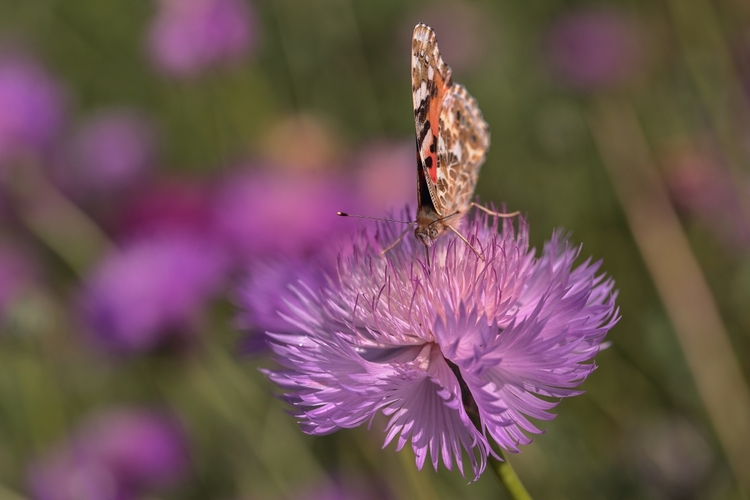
{"points": [[452, 140]]}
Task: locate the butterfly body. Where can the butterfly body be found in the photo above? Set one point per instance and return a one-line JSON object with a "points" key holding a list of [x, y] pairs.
{"points": [[452, 140]]}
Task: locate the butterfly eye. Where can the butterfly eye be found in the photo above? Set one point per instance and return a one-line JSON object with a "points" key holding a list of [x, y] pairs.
{"points": [[433, 233]]}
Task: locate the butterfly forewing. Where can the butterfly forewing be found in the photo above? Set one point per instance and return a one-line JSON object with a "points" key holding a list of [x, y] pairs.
{"points": [[430, 80]]}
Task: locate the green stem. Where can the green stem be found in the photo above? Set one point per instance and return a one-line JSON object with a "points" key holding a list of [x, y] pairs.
{"points": [[56, 221], [505, 473]]}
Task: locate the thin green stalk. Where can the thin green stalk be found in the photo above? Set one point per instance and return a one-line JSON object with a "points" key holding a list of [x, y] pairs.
{"points": [[56, 221], [505, 473], [8, 494]]}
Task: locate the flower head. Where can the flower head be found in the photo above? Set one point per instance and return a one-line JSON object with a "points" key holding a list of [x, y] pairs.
{"points": [[303, 217], [595, 48], [702, 187], [112, 150], [148, 293], [32, 107], [191, 36], [167, 204], [116, 455], [455, 354]]}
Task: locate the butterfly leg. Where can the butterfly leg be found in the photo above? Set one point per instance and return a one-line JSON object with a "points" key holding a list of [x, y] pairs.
{"points": [[463, 238], [494, 214], [383, 252]]}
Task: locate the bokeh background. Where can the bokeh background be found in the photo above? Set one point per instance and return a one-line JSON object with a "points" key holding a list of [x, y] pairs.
{"points": [[159, 159]]}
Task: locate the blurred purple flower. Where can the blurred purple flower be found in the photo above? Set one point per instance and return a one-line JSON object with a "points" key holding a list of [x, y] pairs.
{"points": [[17, 273], [589, 49], [149, 293], [144, 448], [264, 213], [112, 151], [190, 36], [456, 354], [702, 187], [348, 488], [385, 176], [117, 455], [167, 205], [672, 455], [31, 104]]}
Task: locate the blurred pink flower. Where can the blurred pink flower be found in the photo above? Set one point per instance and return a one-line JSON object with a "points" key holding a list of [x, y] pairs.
{"points": [[348, 488], [190, 36], [595, 48], [672, 455], [147, 294], [111, 151], [116, 455], [167, 205], [386, 176], [31, 107], [272, 213], [702, 187]]}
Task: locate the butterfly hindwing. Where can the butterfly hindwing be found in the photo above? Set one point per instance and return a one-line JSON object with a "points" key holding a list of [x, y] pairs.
{"points": [[463, 140]]}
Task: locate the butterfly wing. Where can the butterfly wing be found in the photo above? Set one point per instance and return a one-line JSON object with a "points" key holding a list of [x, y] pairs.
{"points": [[430, 81], [463, 140]]}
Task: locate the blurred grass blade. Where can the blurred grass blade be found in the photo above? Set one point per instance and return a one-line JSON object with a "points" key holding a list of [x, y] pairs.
{"points": [[678, 279], [56, 221], [7, 494]]}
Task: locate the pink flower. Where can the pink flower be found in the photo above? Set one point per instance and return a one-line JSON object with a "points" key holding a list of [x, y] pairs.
{"points": [[456, 354], [117, 455], [595, 48], [112, 150], [32, 104], [267, 213], [151, 291], [188, 37]]}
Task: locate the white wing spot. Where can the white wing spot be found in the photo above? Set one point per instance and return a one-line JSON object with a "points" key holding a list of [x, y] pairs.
{"points": [[457, 151], [421, 93]]}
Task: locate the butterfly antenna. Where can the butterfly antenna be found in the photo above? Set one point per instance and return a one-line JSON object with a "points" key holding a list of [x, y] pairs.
{"points": [[383, 252], [494, 214], [344, 214], [463, 238]]}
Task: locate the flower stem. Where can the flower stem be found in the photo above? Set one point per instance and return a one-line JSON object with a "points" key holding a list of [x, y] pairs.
{"points": [[508, 477], [56, 221]]}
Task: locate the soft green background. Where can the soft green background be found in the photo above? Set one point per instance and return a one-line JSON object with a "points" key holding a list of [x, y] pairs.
{"points": [[347, 63]]}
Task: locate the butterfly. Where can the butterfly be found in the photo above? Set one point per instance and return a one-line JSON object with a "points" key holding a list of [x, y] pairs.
{"points": [[452, 142]]}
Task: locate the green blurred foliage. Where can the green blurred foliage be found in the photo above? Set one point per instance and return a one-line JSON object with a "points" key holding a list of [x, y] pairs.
{"points": [[347, 63]]}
